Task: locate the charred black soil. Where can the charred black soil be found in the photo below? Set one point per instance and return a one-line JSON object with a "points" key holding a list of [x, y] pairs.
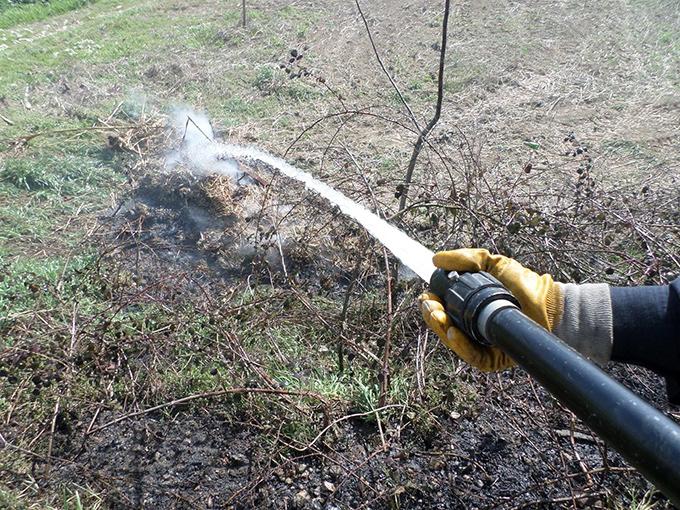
{"points": [[481, 442], [511, 451]]}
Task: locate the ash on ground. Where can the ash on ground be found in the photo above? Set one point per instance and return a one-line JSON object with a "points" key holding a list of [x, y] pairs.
{"points": [[260, 225]]}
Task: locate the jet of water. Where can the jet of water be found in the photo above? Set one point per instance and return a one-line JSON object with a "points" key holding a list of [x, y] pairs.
{"points": [[206, 155], [409, 251]]}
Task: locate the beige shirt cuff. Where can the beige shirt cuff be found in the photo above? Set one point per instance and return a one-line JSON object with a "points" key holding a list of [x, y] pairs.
{"points": [[586, 323]]}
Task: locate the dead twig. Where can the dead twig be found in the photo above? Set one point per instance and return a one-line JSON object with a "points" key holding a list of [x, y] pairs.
{"points": [[343, 315], [7, 121], [384, 69], [51, 441], [581, 463], [186, 129], [351, 113], [542, 503], [27, 138], [208, 394], [385, 369], [344, 418]]}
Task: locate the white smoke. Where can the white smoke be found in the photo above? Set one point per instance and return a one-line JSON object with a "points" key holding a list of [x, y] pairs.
{"points": [[194, 127], [409, 251], [196, 147], [204, 154]]}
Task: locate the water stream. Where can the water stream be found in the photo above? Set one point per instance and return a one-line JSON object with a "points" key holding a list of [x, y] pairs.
{"points": [[409, 251], [208, 155]]}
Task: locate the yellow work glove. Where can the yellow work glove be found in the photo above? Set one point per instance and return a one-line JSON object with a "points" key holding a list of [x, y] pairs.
{"points": [[539, 296]]}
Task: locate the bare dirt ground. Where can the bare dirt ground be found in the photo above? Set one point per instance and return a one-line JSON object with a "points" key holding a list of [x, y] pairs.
{"points": [[223, 346]]}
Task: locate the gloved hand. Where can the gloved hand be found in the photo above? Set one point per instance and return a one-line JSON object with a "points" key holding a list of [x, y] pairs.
{"points": [[539, 296]]}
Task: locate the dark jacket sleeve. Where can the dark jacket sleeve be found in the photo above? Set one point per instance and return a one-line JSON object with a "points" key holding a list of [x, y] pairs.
{"points": [[647, 330]]}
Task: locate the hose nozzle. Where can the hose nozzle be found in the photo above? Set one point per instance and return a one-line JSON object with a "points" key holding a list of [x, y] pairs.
{"points": [[467, 297]]}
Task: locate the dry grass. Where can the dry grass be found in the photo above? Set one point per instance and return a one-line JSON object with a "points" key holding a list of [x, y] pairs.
{"points": [[116, 339]]}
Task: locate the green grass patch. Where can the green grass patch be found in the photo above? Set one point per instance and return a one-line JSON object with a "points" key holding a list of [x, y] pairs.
{"points": [[61, 497], [40, 192], [30, 220], [13, 13], [622, 147], [32, 283], [66, 176], [10, 501], [130, 29], [233, 110], [191, 379]]}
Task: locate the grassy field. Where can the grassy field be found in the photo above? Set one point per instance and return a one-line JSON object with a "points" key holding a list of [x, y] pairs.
{"points": [[156, 352]]}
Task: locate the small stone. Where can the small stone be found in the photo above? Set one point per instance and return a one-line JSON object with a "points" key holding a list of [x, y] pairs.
{"points": [[437, 464], [301, 498], [400, 455], [480, 483], [330, 487], [454, 415], [238, 459]]}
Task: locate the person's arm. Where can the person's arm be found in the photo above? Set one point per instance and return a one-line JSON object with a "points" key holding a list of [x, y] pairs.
{"points": [[646, 330], [635, 325], [638, 325]]}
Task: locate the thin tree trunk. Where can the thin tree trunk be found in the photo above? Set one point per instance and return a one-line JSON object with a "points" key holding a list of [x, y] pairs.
{"points": [[438, 110], [243, 13]]}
